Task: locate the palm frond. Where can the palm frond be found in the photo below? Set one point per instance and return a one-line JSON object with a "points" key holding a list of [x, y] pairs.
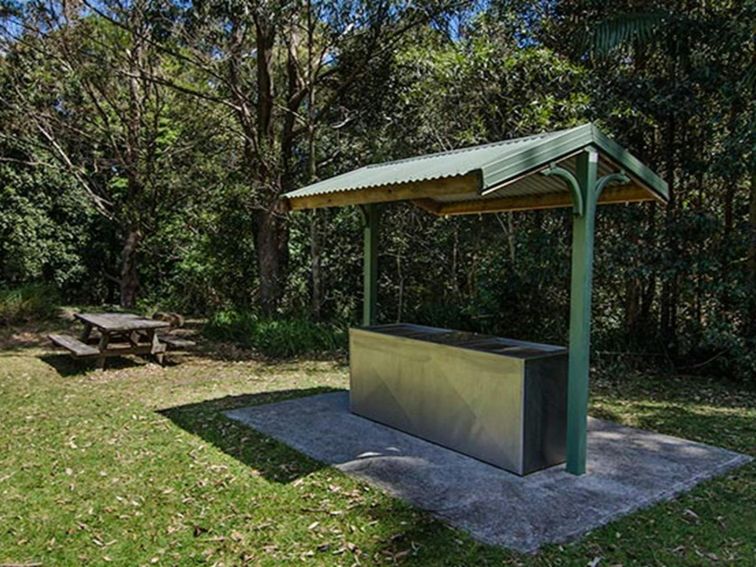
{"points": [[621, 29]]}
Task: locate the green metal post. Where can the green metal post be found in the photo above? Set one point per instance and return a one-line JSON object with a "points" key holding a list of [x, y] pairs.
{"points": [[580, 313], [371, 214]]}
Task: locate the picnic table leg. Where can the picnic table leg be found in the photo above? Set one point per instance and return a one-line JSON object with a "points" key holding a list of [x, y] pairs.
{"points": [[158, 348], [86, 333], [103, 346], [134, 338]]}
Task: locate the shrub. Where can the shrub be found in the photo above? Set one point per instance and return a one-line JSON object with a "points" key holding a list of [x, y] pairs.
{"points": [[722, 350], [27, 302], [278, 338]]}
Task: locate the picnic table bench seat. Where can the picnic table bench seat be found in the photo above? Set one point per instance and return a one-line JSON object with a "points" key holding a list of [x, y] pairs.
{"points": [[177, 342], [76, 347]]}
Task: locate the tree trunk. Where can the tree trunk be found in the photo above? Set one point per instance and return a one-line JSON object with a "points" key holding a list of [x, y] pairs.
{"points": [[633, 288], [726, 257], [669, 285], [752, 257], [272, 250], [316, 300], [129, 272], [649, 291]]}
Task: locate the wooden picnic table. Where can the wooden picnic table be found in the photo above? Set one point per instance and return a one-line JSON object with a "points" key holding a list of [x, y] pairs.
{"points": [[119, 334]]}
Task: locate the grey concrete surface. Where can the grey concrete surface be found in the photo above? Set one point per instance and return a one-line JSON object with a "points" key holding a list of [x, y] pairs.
{"points": [[627, 469]]}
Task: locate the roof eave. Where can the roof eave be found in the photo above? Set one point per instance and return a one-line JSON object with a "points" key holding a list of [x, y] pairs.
{"points": [[459, 185], [499, 173], [632, 165], [496, 174]]}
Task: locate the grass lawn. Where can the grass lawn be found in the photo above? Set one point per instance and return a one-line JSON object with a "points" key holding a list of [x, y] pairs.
{"points": [[137, 466]]}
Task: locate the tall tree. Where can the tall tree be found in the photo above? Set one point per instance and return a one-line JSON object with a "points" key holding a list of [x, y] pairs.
{"points": [[80, 89], [676, 80], [281, 68], [683, 37]]}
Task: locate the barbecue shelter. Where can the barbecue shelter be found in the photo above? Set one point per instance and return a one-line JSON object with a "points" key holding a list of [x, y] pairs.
{"points": [[579, 168]]}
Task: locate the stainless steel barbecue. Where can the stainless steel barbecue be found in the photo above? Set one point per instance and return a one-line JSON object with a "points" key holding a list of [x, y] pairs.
{"points": [[499, 400]]}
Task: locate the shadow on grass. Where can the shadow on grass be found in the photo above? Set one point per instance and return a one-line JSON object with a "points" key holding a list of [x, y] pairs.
{"points": [[66, 366], [605, 414], [274, 460], [17, 338], [229, 352], [410, 536], [734, 431]]}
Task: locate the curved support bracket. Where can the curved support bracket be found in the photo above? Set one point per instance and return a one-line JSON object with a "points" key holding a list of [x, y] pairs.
{"points": [[619, 178], [365, 213], [578, 204]]}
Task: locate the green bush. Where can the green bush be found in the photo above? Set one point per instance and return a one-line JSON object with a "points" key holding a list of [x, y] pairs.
{"points": [[27, 302], [278, 338]]}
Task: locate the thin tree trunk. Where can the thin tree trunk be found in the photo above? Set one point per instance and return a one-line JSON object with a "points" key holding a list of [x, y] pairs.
{"points": [[316, 299], [129, 271], [669, 286], [648, 295], [752, 257], [400, 294], [456, 291], [633, 288], [729, 216], [511, 239]]}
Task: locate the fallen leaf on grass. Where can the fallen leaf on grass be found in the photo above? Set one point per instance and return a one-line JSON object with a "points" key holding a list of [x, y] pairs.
{"points": [[691, 516]]}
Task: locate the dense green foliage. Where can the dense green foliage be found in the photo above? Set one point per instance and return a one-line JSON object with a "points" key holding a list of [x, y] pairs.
{"points": [[27, 303], [279, 337], [47, 233], [164, 190]]}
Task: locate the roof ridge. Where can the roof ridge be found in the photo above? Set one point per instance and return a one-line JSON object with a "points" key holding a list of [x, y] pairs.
{"points": [[470, 148], [555, 135]]}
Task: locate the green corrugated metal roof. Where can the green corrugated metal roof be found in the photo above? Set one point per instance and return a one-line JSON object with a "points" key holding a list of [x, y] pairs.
{"points": [[497, 164]]}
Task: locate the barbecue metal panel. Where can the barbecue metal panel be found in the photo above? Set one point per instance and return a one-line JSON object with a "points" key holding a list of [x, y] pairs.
{"points": [[498, 400]]}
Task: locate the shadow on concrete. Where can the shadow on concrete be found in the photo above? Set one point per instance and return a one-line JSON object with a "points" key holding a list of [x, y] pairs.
{"points": [[272, 459]]}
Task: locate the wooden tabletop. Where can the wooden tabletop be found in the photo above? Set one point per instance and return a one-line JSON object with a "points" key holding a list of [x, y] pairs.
{"points": [[120, 321]]}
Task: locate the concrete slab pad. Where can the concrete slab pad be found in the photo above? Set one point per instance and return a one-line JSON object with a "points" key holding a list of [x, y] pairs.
{"points": [[627, 469]]}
